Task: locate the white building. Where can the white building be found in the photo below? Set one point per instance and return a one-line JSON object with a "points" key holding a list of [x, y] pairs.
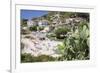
{"points": [[30, 23], [43, 23]]}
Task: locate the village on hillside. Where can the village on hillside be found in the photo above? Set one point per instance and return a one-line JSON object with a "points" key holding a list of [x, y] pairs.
{"points": [[55, 36]]}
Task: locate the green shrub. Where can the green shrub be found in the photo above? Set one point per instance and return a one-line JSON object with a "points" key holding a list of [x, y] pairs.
{"points": [[24, 22], [26, 58], [51, 36], [33, 28], [76, 47], [24, 31], [61, 32], [40, 28], [30, 58], [44, 58]]}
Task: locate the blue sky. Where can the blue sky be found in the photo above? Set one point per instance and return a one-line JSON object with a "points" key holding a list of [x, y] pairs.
{"points": [[29, 14]]}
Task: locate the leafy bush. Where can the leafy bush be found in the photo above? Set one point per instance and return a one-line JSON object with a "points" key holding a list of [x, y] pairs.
{"points": [[24, 31], [61, 32], [30, 58], [24, 22], [33, 28], [51, 36], [44, 58], [83, 15], [76, 47], [26, 58], [40, 28]]}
